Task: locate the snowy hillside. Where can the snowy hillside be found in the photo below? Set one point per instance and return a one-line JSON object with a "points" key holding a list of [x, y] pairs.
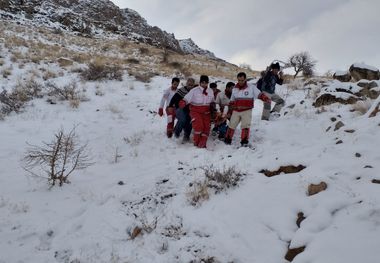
{"points": [[139, 202]]}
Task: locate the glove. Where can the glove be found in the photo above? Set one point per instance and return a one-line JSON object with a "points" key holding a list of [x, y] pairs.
{"points": [[161, 112], [182, 104], [264, 98]]}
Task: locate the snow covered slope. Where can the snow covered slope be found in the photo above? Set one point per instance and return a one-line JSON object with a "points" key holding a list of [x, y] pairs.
{"points": [[132, 204]]}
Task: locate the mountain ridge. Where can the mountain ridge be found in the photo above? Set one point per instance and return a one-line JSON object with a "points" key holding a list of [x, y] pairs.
{"points": [[97, 17]]}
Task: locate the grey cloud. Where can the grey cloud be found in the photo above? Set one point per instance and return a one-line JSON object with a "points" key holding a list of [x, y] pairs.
{"points": [[335, 32]]}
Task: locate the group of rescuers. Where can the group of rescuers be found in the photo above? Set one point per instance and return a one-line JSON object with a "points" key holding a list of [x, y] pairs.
{"points": [[195, 106]]}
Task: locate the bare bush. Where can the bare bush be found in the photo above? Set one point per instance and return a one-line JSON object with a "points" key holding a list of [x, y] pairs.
{"points": [[102, 71], [22, 93], [224, 179], [10, 103], [302, 62], [216, 179], [198, 192], [56, 160], [142, 76], [69, 92], [29, 89]]}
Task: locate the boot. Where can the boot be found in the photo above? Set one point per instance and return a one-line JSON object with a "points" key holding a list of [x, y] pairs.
{"points": [[196, 138], [229, 135], [244, 137], [203, 141]]}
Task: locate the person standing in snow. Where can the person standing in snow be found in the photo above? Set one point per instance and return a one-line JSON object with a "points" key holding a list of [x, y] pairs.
{"points": [[166, 97], [241, 105], [268, 86], [223, 100], [201, 101], [182, 115]]}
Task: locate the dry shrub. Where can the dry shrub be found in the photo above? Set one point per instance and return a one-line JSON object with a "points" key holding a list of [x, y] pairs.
{"points": [[295, 84], [142, 76], [74, 103], [69, 92], [224, 179], [16, 56], [99, 70], [7, 72], [49, 75], [198, 192], [216, 179], [56, 160], [10, 103], [144, 51], [22, 93]]}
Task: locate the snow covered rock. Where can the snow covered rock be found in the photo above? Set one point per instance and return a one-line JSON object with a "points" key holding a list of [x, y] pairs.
{"points": [[343, 76], [341, 97], [369, 89], [189, 47], [362, 71]]}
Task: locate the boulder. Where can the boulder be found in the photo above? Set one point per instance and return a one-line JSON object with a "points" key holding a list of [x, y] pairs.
{"points": [[316, 188], [327, 99], [362, 71], [368, 89], [65, 62], [343, 76]]}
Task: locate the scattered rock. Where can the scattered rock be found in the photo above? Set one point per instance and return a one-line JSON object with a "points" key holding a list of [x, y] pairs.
{"points": [[300, 218], [339, 142], [180, 168], [65, 62], [350, 131], [358, 178], [284, 169], [293, 252], [120, 183], [359, 72], [136, 232], [291, 106], [316, 188], [358, 155], [368, 166], [329, 128], [338, 125], [327, 99], [333, 119], [375, 181]]}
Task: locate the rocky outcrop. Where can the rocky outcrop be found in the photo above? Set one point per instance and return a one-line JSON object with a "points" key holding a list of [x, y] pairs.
{"points": [[89, 17], [189, 47], [343, 76], [327, 99], [362, 71], [369, 89]]}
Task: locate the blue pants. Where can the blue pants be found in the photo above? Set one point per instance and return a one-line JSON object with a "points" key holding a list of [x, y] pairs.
{"points": [[183, 123]]}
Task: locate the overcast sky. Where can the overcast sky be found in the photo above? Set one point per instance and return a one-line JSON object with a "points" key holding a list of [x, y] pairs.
{"points": [[336, 33]]}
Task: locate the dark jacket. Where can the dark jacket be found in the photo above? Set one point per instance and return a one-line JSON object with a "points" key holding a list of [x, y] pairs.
{"points": [[179, 96], [269, 82]]}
